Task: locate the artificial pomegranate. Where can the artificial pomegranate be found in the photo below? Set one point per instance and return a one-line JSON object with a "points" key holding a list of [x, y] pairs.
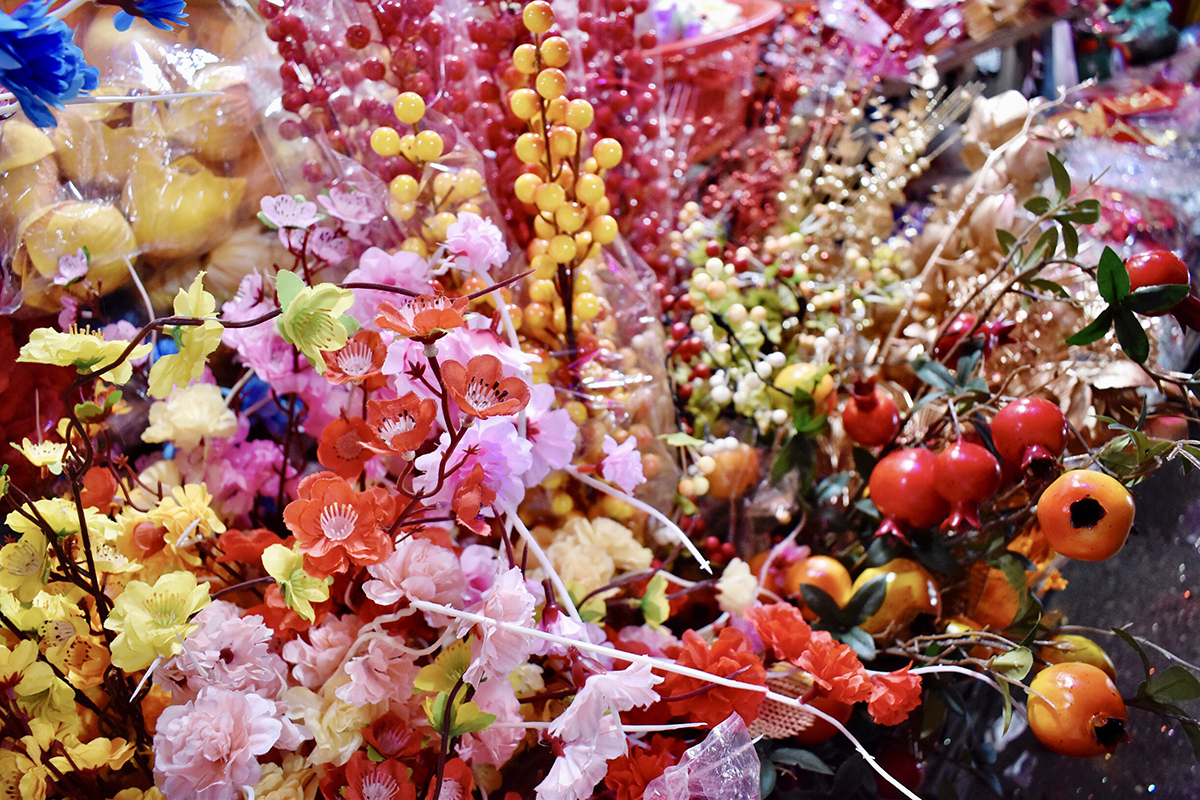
{"points": [[1075, 709], [1086, 515], [965, 475], [871, 417], [1031, 432], [904, 489]]}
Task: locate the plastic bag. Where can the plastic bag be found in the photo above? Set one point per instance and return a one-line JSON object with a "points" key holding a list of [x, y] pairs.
{"points": [[724, 766]]}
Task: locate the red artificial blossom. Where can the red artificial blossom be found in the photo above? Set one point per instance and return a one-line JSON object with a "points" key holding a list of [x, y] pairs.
{"points": [[835, 668], [400, 425], [470, 498], [387, 780], [481, 390], [342, 447], [782, 627], [336, 525], [894, 695], [628, 775], [358, 362], [423, 318], [731, 655]]}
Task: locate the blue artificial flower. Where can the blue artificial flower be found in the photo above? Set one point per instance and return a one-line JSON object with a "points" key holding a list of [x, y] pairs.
{"points": [[39, 63], [159, 13]]}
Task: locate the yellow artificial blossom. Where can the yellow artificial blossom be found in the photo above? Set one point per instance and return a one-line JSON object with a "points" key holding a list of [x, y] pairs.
{"points": [[20, 776], [300, 590], [83, 350], [138, 794], [100, 753], [43, 454], [195, 342], [70, 646], [336, 726], [190, 414], [62, 516], [313, 317], [294, 780], [152, 621], [446, 669], [25, 565], [187, 510], [38, 691]]}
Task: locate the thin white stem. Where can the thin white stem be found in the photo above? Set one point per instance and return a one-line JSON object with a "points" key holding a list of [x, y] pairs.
{"points": [[511, 332], [141, 287], [183, 540], [149, 671], [673, 726], [139, 98], [548, 568], [237, 387], [195, 661], [67, 7], [647, 508]]}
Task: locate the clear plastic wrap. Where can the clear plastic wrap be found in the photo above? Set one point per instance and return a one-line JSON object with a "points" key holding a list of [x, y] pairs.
{"points": [[724, 766]]}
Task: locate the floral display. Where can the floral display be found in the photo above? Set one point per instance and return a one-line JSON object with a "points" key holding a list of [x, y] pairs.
{"points": [[408, 400]]}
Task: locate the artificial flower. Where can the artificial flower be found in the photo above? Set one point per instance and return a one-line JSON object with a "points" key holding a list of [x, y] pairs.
{"points": [[343, 446], [294, 779], [385, 671], [71, 267], [357, 208], [386, 780], [336, 726], [583, 764], [195, 342], [457, 780], [324, 244], [40, 63], [186, 512], [151, 621], [402, 270], [469, 498], [730, 653], [99, 753], [481, 390], [894, 695], [551, 433], [226, 650], [313, 316], [629, 774], [424, 318], [62, 517], [608, 692], [402, 424], [493, 444], [835, 668], [477, 242], [418, 569], [245, 546], [782, 627], [25, 565], [43, 454], [392, 737], [336, 525], [287, 211], [162, 14], [622, 464], [300, 589], [358, 362], [737, 588], [496, 652], [188, 415], [496, 744], [208, 748], [83, 350]]}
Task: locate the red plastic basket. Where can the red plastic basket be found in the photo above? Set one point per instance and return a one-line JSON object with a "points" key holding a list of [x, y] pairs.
{"points": [[710, 79]]}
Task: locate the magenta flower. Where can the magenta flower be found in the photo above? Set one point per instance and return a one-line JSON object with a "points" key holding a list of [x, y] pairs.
{"points": [[401, 269], [550, 432], [496, 744], [496, 653], [622, 464], [70, 313], [494, 445], [476, 241], [320, 243], [384, 671], [357, 208], [285, 211], [208, 748]]}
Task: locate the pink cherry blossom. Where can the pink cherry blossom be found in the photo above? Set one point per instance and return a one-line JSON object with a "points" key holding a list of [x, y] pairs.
{"points": [[496, 744], [121, 329], [313, 664], [70, 312], [417, 570], [622, 464], [583, 763], [285, 211], [385, 671], [321, 243], [228, 651], [609, 692], [359, 208], [208, 748], [496, 652], [401, 269], [560, 624], [71, 268], [493, 444], [476, 241], [550, 432]]}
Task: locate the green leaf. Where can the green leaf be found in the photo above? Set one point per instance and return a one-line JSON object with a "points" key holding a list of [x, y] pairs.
{"points": [[1006, 239], [1037, 205], [803, 759], [1045, 246], [1112, 276], [859, 641], [469, 718], [1070, 239], [1014, 664], [1048, 286], [935, 374], [824, 606], [1132, 336], [767, 776], [655, 606], [867, 600], [1085, 212], [1062, 179], [681, 439], [1137, 648], [350, 324], [1150, 299], [1095, 329], [1192, 731], [1008, 706], [1174, 685], [287, 286]]}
